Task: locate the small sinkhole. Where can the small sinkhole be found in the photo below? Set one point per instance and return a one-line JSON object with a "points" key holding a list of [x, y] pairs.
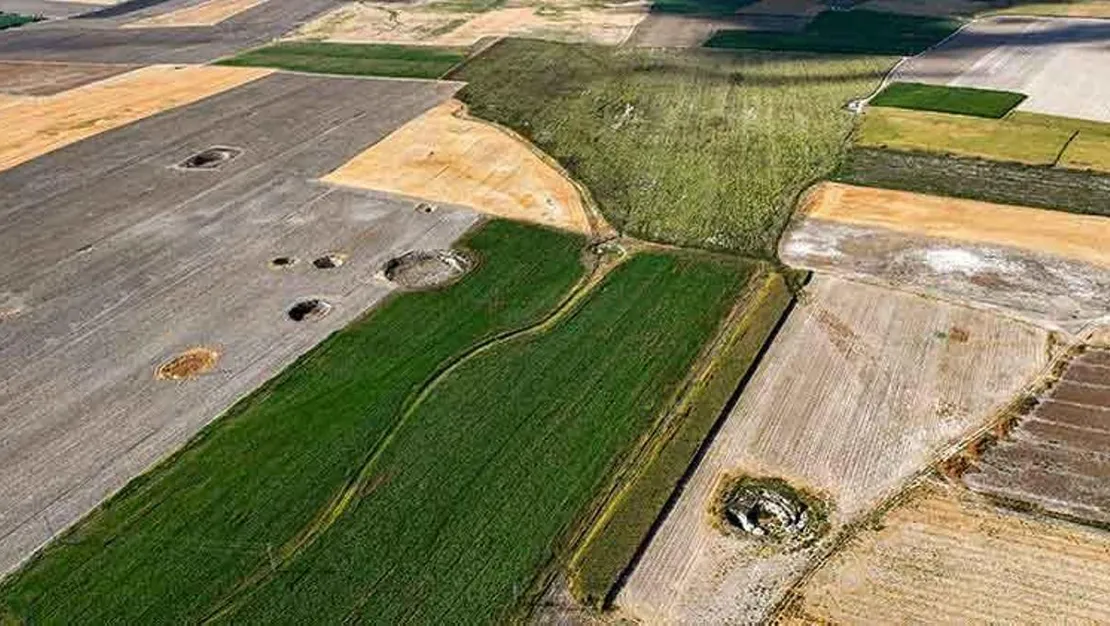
{"points": [[424, 207], [210, 159], [283, 261], [328, 261], [314, 308]]}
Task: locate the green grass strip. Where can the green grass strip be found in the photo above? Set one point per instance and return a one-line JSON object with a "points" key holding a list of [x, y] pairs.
{"points": [[958, 100], [13, 20], [176, 541], [610, 549], [482, 485], [859, 32], [353, 59]]}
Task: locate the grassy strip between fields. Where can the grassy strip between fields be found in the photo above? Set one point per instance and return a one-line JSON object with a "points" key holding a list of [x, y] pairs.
{"points": [[1029, 138], [860, 32], [943, 99], [621, 531], [1075, 191], [696, 148], [181, 537], [353, 59], [473, 485], [13, 20]]}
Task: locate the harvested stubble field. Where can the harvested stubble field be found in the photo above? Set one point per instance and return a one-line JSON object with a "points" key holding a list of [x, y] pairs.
{"points": [[467, 23], [207, 13], [611, 546], [946, 556], [353, 59], [862, 388], [857, 32], [447, 156], [956, 100], [690, 147], [346, 486], [1029, 138], [978, 179]]}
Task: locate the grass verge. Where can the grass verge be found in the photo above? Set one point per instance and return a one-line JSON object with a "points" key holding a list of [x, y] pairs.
{"points": [[1029, 138], [14, 20], [622, 529], [696, 148], [978, 179], [179, 538], [859, 32], [943, 99], [353, 59]]}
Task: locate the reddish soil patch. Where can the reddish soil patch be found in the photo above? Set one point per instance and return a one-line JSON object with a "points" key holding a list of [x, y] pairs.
{"points": [[188, 364]]}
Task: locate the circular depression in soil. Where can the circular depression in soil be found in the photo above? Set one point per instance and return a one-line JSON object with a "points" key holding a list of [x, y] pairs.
{"points": [[422, 269], [770, 510], [307, 310]]}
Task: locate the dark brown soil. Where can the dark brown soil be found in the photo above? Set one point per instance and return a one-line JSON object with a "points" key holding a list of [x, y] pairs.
{"points": [[1090, 395], [1095, 357], [1088, 374]]}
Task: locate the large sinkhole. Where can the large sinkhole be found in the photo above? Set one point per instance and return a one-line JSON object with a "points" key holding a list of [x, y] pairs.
{"points": [[422, 269], [313, 308], [770, 510], [210, 158]]}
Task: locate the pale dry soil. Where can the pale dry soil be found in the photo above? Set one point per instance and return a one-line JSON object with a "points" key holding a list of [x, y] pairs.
{"points": [[428, 24], [862, 389], [37, 126], [1080, 238], [446, 156], [948, 557], [208, 13], [1063, 65]]}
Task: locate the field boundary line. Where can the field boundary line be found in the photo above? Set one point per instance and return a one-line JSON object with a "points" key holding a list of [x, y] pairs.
{"points": [[1064, 148]]}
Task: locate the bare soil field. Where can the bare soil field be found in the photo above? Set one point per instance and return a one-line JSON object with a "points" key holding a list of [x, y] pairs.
{"points": [[1063, 65], [208, 13], [1058, 8], [1047, 289], [445, 156], [425, 23], [39, 126], [44, 79], [1058, 458], [946, 556], [119, 261], [1075, 237], [862, 388], [935, 8]]}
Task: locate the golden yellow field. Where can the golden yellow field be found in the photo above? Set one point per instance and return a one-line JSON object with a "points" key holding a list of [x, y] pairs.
{"points": [[207, 13], [35, 126], [444, 156]]}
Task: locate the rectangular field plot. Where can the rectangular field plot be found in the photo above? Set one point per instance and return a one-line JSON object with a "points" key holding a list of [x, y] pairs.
{"points": [[957, 100], [399, 472], [947, 557], [859, 32], [353, 59], [862, 388]]}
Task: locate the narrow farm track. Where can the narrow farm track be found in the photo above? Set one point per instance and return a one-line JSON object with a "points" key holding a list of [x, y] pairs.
{"points": [[357, 486]]}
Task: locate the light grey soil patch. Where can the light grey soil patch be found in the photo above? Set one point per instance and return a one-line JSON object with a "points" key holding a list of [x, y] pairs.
{"points": [[1042, 287], [11, 305], [424, 269]]}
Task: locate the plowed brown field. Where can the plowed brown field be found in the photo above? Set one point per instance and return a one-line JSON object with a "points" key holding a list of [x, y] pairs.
{"points": [[863, 388], [444, 156], [29, 78], [946, 557]]}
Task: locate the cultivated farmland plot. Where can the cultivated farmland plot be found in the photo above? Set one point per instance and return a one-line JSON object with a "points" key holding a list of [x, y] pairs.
{"points": [[862, 388], [1063, 65]]}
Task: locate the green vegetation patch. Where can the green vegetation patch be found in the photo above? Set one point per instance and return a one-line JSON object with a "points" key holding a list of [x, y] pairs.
{"points": [[943, 99], [700, 7], [1030, 138], [696, 148], [624, 528], [861, 32], [361, 486], [181, 537], [13, 20], [353, 59], [1044, 187]]}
